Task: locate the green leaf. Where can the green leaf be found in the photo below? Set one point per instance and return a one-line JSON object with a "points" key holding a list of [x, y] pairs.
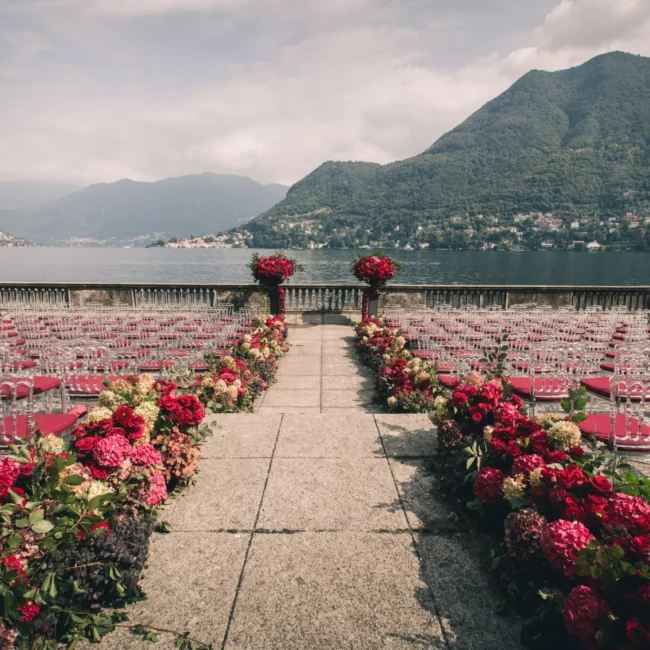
{"points": [[22, 523], [44, 526], [36, 515], [77, 588], [73, 479]]}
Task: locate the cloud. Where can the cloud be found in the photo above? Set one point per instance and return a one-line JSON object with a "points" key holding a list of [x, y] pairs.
{"points": [[269, 88]]}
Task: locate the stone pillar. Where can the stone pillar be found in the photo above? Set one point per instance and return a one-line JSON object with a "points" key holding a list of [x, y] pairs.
{"points": [[373, 302]]}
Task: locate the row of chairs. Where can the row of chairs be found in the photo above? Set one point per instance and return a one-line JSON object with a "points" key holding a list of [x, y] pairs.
{"points": [[547, 353]]}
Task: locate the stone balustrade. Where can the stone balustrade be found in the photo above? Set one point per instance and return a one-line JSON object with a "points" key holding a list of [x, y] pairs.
{"points": [[319, 297]]}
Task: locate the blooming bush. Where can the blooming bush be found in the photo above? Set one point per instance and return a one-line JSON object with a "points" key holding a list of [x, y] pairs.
{"points": [[573, 530]]}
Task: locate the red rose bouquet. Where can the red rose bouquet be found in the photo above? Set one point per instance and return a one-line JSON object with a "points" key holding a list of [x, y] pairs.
{"points": [[376, 271], [271, 272]]}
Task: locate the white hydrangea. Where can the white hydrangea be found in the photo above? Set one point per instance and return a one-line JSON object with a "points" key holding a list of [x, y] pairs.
{"points": [[99, 414], [513, 487], [564, 435]]}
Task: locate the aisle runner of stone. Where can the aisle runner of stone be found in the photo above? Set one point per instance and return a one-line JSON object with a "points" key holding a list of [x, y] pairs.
{"points": [[312, 527]]}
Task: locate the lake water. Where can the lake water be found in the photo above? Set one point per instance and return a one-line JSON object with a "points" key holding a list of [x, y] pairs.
{"points": [[230, 265]]}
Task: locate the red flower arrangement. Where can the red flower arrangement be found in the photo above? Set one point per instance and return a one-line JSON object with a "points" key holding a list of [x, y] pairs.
{"points": [[566, 522], [376, 271], [271, 272]]}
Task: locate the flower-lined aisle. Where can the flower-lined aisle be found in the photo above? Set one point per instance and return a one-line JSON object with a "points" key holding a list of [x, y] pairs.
{"points": [[574, 535], [403, 383], [77, 515]]}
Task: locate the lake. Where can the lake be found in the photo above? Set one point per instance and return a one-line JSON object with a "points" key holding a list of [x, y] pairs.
{"points": [[333, 266]]}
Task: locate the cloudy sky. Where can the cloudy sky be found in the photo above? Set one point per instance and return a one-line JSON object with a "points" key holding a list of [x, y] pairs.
{"points": [[97, 90]]}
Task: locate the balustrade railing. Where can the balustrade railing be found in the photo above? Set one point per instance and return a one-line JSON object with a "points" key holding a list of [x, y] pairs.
{"points": [[319, 297]]}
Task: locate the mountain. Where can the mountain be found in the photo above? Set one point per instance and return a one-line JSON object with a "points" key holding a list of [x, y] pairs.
{"points": [[9, 241], [18, 195], [574, 143], [195, 204]]}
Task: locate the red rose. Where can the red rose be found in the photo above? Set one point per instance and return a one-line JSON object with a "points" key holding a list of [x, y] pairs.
{"points": [[573, 510], [571, 477], [168, 403], [79, 432], [29, 610], [98, 472], [600, 485], [98, 427], [476, 417], [116, 431], [576, 452], [556, 456], [637, 633], [86, 445], [27, 469], [125, 418], [558, 498]]}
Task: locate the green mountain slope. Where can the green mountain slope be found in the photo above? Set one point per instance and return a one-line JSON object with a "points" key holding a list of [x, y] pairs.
{"points": [[195, 204], [575, 143]]}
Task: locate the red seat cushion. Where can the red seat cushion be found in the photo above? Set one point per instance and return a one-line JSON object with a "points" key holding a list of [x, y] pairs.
{"points": [[598, 425], [46, 423], [602, 386], [41, 385], [449, 381], [422, 354], [21, 365], [446, 367], [546, 390], [86, 384]]}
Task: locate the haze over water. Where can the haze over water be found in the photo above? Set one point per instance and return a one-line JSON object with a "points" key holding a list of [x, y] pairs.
{"points": [[321, 266]]}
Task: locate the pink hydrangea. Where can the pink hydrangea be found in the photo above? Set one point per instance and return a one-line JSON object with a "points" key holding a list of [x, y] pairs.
{"points": [[113, 451], [632, 513], [146, 455], [526, 464], [523, 530], [9, 472], [487, 485], [562, 542], [506, 413], [584, 612], [153, 490]]}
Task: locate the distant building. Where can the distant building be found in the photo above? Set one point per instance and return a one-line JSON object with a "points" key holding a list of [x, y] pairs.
{"points": [[593, 246], [575, 225], [547, 244]]}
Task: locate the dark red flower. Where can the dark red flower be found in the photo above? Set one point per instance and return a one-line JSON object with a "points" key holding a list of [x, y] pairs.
{"points": [[599, 485], [102, 525], [29, 610], [571, 477], [85, 445], [487, 485], [98, 473], [637, 633], [584, 612]]}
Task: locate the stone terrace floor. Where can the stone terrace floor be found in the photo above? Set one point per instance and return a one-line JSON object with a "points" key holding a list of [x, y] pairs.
{"points": [[311, 526]]}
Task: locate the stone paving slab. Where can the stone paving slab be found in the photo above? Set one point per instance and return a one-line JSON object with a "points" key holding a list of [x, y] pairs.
{"points": [[351, 382], [278, 397], [329, 436], [295, 410], [334, 591], [452, 567], [306, 347], [191, 581], [331, 494], [410, 435], [238, 435], [346, 398], [425, 509], [300, 382], [305, 334], [300, 365], [344, 366], [226, 496]]}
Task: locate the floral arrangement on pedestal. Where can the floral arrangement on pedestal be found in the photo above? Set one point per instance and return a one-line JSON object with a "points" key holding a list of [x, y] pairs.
{"points": [[376, 271], [271, 272], [403, 383], [576, 534]]}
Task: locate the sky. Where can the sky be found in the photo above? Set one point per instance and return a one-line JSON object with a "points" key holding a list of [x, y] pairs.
{"points": [[98, 90]]}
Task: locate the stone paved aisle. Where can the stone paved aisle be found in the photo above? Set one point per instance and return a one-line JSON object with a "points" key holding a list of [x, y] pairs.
{"points": [[315, 530]]}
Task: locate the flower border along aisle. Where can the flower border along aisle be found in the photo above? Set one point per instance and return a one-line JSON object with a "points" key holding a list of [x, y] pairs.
{"points": [[576, 536], [271, 272], [77, 515], [376, 271], [403, 383]]}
